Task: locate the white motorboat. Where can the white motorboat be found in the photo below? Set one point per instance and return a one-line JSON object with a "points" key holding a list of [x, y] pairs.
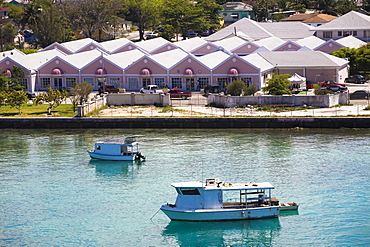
{"points": [[215, 200], [108, 150]]}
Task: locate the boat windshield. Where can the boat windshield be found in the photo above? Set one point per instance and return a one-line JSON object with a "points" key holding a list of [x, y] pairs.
{"points": [[130, 139]]}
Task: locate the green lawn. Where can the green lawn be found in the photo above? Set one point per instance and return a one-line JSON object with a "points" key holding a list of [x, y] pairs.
{"points": [[30, 110]]}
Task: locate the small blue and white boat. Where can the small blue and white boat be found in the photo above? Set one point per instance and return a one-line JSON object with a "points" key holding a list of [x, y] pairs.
{"points": [[107, 150], [199, 201]]}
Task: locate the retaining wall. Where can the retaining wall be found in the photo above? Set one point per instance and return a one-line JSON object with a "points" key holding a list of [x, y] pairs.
{"points": [[182, 123], [295, 100], [138, 99]]}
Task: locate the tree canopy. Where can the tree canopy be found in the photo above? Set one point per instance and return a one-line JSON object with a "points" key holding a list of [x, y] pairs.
{"points": [[278, 85]]}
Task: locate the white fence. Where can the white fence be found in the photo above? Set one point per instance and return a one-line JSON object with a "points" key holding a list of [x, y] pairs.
{"points": [[92, 105]]}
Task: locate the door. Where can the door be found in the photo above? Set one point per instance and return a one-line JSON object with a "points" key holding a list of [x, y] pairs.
{"points": [[58, 83], [190, 84]]}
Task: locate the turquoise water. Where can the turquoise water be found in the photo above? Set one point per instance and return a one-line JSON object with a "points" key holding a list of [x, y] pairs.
{"points": [[51, 194]]}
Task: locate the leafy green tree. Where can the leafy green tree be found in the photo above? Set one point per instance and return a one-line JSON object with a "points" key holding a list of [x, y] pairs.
{"points": [[12, 83], [211, 11], [31, 15], [359, 59], [3, 97], [17, 11], [17, 99], [251, 90], [9, 31], [90, 16], [184, 16], [80, 93], [236, 88], [53, 97], [145, 13], [278, 85]]}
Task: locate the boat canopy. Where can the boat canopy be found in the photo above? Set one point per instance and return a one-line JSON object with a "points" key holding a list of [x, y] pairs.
{"points": [[216, 184]]}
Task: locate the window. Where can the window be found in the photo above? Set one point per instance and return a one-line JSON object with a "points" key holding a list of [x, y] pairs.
{"points": [[346, 33], [45, 82], [339, 33], [203, 82], [146, 82], [222, 82], [247, 80], [23, 82], [115, 81], [190, 191], [70, 82], [367, 34], [235, 15], [89, 80], [133, 83], [354, 33], [176, 82], [327, 35], [159, 82]]}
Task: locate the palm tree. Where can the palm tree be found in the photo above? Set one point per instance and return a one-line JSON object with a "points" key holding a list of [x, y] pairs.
{"points": [[31, 16]]}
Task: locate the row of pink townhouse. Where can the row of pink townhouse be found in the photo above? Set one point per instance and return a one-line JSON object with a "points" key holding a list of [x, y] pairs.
{"points": [[174, 68]]}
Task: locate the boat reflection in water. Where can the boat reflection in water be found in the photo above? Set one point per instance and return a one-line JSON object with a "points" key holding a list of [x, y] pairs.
{"points": [[115, 168], [259, 232]]}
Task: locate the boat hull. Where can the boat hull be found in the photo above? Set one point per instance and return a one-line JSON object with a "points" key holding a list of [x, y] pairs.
{"points": [[289, 206], [94, 155], [220, 214]]}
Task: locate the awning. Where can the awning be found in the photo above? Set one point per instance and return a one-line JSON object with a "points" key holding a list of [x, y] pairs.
{"points": [[100, 71], [56, 71], [233, 71], [8, 73], [188, 72], [297, 78], [145, 72]]}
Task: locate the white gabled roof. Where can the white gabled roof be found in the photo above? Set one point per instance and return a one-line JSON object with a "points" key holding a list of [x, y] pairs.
{"points": [[125, 59], [152, 44], [249, 27], [11, 53], [351, 42], [76, 45], [351, 21], [244, 36], [212, 60], [311, 42], [270, 43], [230, 43], [34, 60], [288, 30], [303, 59], [191, 44], [115, 44], [169, 58], [81, 59], [258, 61]]}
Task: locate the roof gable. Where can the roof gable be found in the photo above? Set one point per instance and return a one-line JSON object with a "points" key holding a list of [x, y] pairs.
{"points": [[351, 21]]}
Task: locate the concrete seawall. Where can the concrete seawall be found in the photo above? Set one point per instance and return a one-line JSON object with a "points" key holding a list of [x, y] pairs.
{"points": [[182, 123]]}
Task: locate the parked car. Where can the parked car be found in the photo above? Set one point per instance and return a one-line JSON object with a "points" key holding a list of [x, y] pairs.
{"points": [[212, 89], [176, 94], [30, 95], [359, 79], [330, 83], [335, 88], [107, 88], [359, 94], [151, 35], [151, 89]]}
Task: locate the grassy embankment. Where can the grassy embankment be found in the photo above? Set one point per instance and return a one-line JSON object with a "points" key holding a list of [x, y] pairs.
{"points": [[31, 110]]}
